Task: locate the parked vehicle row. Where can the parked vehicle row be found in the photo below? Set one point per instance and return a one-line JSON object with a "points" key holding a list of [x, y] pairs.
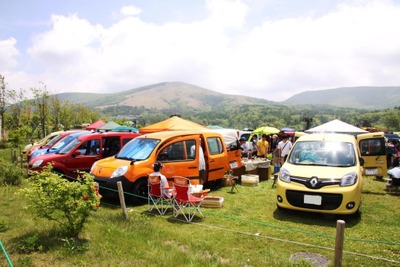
{"points": [[56, 144], [323, 172], [82, 151]]}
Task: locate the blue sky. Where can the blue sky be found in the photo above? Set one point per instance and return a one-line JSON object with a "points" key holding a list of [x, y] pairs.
{"points": [[270, 49]]}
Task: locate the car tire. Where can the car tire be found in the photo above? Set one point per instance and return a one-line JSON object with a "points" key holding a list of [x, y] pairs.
{"points": [[140, 191]]}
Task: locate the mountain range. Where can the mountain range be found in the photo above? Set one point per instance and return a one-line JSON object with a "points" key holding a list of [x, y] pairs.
{"points": [[170, 95]]}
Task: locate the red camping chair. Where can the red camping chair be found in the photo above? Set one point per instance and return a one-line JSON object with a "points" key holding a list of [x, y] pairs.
{"points": [[155, 199], [184, 202]]}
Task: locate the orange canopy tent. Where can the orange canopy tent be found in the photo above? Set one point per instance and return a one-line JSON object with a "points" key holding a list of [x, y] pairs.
{"points": [[172, 124]]}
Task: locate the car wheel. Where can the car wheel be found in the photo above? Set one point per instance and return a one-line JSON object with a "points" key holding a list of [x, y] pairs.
{"points": [[140, 191]]}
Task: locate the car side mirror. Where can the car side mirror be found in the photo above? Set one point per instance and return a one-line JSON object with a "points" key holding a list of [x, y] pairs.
{"points": [[76, 153], [361, 161]]}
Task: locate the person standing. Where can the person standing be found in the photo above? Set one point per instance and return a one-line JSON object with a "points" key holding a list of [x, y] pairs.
{"points": [[254, 144], [202, 161], [262, 147], [274, 143], [284, 147], [244, 147]]}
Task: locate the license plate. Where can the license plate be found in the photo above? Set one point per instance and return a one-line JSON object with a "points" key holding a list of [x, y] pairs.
{"points": [[312, 199], [233, 164], [371, 171]]}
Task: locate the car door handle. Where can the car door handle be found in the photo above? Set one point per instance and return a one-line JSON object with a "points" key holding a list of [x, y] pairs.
{"points": [[193, 167]]}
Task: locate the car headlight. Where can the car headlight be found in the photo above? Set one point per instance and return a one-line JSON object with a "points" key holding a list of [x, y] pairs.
{"points": [[348, 179], [119, 172], [37, 163], [91, 169], [284, 175]]}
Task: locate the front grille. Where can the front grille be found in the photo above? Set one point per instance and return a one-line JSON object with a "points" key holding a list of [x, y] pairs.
{"points": [[319, 182], [329, 201]]}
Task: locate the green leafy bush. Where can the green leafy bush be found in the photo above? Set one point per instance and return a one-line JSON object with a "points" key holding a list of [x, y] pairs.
{"points": [[10, 174], [57, 199], [29, 244]]}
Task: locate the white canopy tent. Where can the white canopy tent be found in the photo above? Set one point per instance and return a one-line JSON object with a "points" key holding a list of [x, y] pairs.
{"points": [[336, 126], [230, 136]]}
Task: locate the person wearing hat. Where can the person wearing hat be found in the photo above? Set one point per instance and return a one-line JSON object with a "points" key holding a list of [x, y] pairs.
{"points": [[274, 142], [165, 189], [244, 147]]}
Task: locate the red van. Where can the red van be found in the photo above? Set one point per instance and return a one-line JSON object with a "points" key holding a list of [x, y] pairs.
{"points": [[81, 153]]}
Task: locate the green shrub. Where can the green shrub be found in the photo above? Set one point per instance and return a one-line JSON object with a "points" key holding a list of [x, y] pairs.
{"points": [[75, 245], [29, 244], [68, 203], [10, 174]]}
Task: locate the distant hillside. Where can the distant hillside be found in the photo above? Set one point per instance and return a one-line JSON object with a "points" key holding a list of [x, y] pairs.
{"points": [[180, 97], [170, 95], [351, 97]]}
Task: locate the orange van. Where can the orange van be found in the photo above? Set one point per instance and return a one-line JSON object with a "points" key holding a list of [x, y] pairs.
{"points": [[174, 149], [82, 152]]}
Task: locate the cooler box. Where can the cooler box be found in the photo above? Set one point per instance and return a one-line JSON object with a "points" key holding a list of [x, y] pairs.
{"points": [[213, 202], [250, 180]]}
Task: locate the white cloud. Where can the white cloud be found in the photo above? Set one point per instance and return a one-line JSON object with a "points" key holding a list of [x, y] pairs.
{"points": [[8, 54], [130, 11], [353, 45]]}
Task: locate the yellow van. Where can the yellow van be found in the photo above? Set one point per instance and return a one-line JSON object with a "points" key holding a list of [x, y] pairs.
{"points": [[175, 150], [373, 151], [323, 173]]}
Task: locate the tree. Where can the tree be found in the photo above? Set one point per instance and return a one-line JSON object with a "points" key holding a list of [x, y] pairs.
{"points": [[41, 98], [11, 102], [2, 104]]}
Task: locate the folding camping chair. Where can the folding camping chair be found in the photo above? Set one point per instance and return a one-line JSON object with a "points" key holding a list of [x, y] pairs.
{"points": [[184, 202], [155, 198]]}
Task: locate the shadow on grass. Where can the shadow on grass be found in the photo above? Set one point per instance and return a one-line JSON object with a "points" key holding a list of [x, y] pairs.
{"points": [[52, 239], [113, 202], [181, 220], [311, 218]]}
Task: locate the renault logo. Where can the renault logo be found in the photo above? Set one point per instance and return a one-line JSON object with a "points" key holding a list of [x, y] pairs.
{"points": [[314, 181]]}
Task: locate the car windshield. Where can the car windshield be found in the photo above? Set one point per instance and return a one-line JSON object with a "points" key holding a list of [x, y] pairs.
{"points": [[54, 140], [68, 147], [64, 141], [138, 149], [323, 153]]}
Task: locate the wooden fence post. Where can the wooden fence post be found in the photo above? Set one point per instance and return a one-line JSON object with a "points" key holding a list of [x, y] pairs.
{"points": [[122, 199], [340, 224]]}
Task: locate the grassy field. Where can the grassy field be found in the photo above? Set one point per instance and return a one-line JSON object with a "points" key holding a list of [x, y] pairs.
{"points": [[247, 231]]}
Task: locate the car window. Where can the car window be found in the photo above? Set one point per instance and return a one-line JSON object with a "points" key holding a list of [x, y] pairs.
{"points": [[90, 147], [111, 146], [325, 153], [69, 146], [214, 145], [63, 142], [138, 149], [372, 147], [178, 151]]}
